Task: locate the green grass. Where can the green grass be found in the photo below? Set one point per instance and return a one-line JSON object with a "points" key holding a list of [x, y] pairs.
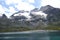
{"points": [[14, 29], [50, 27]]}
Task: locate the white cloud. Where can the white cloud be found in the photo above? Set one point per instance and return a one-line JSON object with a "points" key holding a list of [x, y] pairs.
{"points": [[40, 13], [18, 4], [31, 1], [54, 3], [24, 6], [8, 2], [24, 14], [21, 5], [12, 10], [7, 12], [2, 9]]}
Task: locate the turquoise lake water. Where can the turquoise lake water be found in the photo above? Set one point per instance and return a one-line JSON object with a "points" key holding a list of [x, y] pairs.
{"points": [[43, 35]]}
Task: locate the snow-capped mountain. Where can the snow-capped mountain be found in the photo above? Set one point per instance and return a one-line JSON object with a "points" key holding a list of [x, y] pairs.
{"points": [[36, 17]]}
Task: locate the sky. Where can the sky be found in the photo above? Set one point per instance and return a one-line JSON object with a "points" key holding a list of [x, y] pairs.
{"points": [[9, 7], [54, 3]]}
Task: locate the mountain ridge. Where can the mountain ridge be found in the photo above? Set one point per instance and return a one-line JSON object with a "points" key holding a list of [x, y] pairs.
{"points": [[53, 15]]}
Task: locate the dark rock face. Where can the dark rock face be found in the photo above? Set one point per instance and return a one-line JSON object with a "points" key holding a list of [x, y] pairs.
{"points": [[53, 13], [22, 20], [4, 16], [19, 18], [34, 21], [46, 9], [35, 10]]}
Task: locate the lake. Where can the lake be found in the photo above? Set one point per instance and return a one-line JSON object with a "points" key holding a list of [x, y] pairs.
{"points": [[31, 35]]}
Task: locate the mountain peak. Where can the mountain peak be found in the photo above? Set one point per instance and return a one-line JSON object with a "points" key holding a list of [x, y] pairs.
{"points": [[47, 7], [35, 9]]}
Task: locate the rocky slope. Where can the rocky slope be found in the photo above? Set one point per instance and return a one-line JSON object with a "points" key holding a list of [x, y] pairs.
{"points": [[37, 18]]}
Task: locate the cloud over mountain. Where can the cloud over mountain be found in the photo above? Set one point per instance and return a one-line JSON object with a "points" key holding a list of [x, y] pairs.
{"points": [[9, 7]]}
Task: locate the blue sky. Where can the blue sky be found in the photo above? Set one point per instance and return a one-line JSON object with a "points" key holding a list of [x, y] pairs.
{"points": [[9, 7]]}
